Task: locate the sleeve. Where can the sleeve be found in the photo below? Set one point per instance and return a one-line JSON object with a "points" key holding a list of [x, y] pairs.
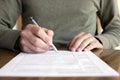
{"points": [[9, 13], [110, 21]]}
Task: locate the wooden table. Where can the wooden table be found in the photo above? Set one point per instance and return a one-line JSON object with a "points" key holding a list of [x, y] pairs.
{"points": [[111, 57]]}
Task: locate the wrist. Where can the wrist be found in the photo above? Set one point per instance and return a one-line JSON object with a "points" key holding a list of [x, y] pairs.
{"points": [[16, 46]]}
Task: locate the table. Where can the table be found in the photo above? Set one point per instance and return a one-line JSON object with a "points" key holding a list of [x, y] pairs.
{"points": [[111, 57]]}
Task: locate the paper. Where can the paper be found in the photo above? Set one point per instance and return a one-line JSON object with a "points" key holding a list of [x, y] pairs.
{"points": [[62, 64]]}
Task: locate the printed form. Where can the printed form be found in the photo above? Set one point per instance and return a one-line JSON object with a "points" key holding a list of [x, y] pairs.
{"points": [[61, 64]]}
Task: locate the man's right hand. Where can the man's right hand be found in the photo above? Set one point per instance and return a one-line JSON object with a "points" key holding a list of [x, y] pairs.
{"points": [[35, 39]]}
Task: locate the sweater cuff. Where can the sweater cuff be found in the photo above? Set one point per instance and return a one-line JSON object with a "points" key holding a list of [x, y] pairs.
{"points": [[15, 45], [9, 38]]}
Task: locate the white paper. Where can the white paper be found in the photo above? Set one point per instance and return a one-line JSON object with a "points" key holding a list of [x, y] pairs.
{"points": [[62, 64]]}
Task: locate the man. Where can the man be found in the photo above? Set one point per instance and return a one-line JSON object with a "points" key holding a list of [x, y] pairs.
{"points": [[70, 22]]}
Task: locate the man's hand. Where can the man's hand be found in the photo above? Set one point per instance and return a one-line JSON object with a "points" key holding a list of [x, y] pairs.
{"points": [[84, 42], [35, 39]]}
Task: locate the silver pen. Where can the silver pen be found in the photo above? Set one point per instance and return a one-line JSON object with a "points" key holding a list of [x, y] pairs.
{"points": [[52, 45]]}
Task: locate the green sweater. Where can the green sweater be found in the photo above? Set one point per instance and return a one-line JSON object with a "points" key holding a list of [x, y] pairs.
{"points": [[65, 17]]}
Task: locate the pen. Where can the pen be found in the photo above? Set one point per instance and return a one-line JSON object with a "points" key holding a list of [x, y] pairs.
{"points": [[52, 45]]}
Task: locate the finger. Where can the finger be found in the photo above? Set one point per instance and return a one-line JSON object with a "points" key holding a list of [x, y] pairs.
{"points": [[80, 40], [75, 38], [74, 42], [94, 45], [85, 43], [37, 50], [50, 33], [29, 50], [90, 47], [27, 47], [32, 40], [39, 32]]}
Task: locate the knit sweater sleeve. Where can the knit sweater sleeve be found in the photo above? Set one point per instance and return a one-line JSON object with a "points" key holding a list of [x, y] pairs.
{"points": [[9, 13], [110, 21]]}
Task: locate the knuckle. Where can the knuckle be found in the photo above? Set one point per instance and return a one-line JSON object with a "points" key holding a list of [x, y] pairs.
{"points": [[28, 26], [22, 33], [89, 35], [38, 31], [82, 32], [51, 32]]}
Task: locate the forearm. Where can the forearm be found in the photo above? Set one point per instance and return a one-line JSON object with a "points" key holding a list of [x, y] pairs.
{"points": [[9, 13], [110, 21], [8, 38]]}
